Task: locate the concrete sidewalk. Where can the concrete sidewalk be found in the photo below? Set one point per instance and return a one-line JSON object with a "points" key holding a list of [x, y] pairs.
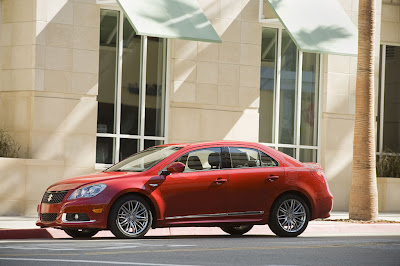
{"points": [[385, 216], [18, 227]]}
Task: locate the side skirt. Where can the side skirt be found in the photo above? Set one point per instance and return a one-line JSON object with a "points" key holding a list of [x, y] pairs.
{"points": [[215, 215]]}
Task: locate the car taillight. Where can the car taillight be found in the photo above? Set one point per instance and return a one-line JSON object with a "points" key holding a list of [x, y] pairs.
{"points": [[319, 175]]}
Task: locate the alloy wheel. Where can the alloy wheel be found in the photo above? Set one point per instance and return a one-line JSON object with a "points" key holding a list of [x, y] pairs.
{"points": [[132, 218], [291, 215]]}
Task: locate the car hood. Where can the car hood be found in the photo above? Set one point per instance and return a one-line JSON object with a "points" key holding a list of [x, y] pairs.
{"points": [[74, 182]]}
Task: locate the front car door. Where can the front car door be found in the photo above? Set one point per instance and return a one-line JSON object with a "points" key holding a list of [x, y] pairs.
{"points": [[200, 191], [254, 178]]}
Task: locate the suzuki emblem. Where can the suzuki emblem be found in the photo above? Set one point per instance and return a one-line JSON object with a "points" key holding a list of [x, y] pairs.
{"points": [[50, 197]]}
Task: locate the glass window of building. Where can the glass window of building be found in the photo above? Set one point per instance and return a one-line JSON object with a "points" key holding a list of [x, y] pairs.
{"points": [[289, 96], [388, 119], [131, 96]]}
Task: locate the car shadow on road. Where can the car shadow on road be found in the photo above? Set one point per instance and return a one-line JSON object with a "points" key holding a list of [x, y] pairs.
{"points": [[188, 237], [208, 236]]}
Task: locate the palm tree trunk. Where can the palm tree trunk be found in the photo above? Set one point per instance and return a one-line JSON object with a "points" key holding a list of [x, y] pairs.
{"points": [[364, 195]]}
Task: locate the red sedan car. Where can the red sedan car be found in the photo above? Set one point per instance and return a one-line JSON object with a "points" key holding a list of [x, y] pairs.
{"points": [[232, 185]]}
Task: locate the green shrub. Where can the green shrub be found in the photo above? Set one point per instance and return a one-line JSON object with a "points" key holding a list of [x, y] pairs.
{"points": [[388, 165], [8, 147]]}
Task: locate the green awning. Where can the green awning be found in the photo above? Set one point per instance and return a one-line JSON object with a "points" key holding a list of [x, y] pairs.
{"points": [[318, 26], [177, 19]]}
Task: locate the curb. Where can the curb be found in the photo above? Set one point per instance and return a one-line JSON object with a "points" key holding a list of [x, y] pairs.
{"points": [[24, 233], [315, 229]]}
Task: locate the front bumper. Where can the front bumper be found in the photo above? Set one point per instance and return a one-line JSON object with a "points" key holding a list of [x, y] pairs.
{"points": [[96, 209]]}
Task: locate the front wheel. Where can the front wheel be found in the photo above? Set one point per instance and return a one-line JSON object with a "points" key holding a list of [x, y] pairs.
{"points": [[236, 230], [80, 233], [130, 217], [289, 216]]}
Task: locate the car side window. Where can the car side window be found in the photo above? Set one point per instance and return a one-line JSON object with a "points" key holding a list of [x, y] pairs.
{"points": [[248, 157], [266, 160], [201, 160]]}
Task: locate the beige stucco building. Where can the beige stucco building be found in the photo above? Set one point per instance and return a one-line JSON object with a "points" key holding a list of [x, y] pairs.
{"points": [[80, 90]]}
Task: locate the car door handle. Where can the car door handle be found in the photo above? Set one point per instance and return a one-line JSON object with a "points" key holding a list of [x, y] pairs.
{"points": [[272, 178], [220, 181]]}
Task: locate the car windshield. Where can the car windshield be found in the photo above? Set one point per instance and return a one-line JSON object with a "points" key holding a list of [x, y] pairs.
{"points": [[143, 160]]}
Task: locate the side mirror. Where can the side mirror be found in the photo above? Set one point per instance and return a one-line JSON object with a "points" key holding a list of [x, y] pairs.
{"points": [[176, 167]]}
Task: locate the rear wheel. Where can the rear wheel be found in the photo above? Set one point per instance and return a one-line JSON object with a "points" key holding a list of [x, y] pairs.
{"points": [[81, 233], [289, 216], [237, 230], [130, 217]]}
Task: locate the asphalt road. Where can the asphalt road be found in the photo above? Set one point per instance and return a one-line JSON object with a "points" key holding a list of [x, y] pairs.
{"points": [[205, 250]]}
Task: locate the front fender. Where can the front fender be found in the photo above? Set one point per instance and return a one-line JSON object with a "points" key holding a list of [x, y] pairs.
{"points": [[139, 187]]}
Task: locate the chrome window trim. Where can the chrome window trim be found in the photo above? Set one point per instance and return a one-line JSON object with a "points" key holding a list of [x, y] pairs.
{"points": [[192, 172], [204, 170]]}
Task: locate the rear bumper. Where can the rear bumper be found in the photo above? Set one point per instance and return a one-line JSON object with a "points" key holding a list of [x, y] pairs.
{"points": [[97, 213], [324, 208]]}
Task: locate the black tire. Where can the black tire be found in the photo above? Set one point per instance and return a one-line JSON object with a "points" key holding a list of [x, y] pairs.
{"points": [[130, 217], [80, 233], [237, 230], [294, 221]]}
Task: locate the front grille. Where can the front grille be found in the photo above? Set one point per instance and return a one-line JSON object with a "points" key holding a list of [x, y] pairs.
{"points": [[48, 217], [53, 197]]}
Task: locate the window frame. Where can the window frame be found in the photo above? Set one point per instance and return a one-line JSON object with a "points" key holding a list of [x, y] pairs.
{"points": [[380, 115], [249, 167], [275, 24], [222, 164], [117, 136]]}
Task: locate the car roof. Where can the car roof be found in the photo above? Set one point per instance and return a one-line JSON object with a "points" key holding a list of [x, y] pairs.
{"points": [[219, 143], [278, 154], [281, 155]]}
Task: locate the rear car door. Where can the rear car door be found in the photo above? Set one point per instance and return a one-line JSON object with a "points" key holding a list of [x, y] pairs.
{"points": [[201, 190], [254, 178]]}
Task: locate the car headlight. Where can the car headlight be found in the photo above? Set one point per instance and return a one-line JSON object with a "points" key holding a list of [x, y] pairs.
{"points": [[87, 192]]}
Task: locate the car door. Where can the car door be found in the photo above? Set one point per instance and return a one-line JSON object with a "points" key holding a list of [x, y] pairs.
{"points": [[254, 177], [201, 190]]}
